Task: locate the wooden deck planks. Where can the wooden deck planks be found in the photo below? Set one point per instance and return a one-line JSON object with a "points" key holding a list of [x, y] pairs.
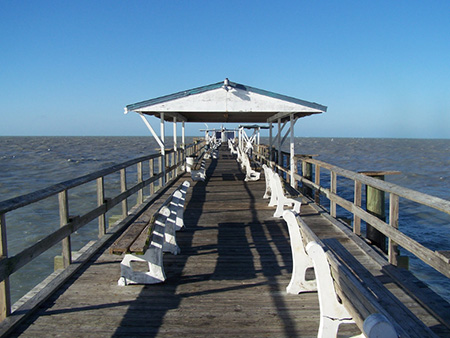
{"points": [[228, 281]]}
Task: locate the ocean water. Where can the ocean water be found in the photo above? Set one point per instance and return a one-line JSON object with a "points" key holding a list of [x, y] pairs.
{"points": [[31, 163]]}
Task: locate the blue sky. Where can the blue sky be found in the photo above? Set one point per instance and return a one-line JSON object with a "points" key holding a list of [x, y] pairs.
{"points": [[381, 67]]}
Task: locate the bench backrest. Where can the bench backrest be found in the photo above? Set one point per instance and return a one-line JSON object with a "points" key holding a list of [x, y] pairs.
{"points": [[277, 187], [359, 302]]}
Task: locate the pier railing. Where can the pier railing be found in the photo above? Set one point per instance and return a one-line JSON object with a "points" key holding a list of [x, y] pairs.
{"points": [[157, 177], [314, 186]]}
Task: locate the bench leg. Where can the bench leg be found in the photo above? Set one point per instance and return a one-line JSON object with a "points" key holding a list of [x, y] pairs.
{"points": [[198, 175], [301, 261], [332, 313], [282, 201], [252, 176], [155, 274]]}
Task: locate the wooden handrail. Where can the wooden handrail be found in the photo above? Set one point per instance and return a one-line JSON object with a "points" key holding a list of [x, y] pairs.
{"points": [[68, 225], [415, 196], [395, 236]]}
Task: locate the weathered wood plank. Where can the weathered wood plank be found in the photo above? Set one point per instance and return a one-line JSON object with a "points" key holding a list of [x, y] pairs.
{"points": [[228, 281]]}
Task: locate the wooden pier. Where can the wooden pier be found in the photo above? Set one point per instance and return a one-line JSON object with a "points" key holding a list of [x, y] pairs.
{"points": [[229, 279]]}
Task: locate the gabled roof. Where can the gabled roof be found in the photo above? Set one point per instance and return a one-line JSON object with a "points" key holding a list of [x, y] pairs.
{"points": [[224, 102]]}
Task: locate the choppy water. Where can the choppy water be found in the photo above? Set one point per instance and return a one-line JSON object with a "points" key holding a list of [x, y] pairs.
{"points": [[31, 163]]}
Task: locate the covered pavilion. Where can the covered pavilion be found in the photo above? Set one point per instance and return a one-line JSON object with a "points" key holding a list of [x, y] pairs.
{"points": [[226, 102]]}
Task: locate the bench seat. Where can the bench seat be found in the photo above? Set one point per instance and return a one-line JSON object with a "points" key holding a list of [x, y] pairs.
{"points": [[156, 237], [347, 291]]}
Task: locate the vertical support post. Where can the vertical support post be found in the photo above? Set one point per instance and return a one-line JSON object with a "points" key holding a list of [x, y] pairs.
{"points": [[292, 151], [375, 205], [163, 152], [270, 141], [151, 170], [123, 188], [317, 182], [160, 164], [393, 251], [294, 180], [175, 145], [375, 201], [183, 144], [63, 220], [5, 294], [140, 198], [280, 157], [333, 189], [357, 202], [307, 173], [100, 202], [240, 139]]}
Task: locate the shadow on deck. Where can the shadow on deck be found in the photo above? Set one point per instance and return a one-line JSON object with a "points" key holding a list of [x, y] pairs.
{"points": [[229, 279]]}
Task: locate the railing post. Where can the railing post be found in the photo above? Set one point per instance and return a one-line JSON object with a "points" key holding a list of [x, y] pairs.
{"points": [[140, 198], [123, 188], [393, 251], [357, 203], [317, 182], [63, 220], [100, 202], [375, 200], [166, 164], [307, 173], [375, 205], [5, 294], [294, 170], [151, 168], [333, 189], [175, 161], [160, 164]]}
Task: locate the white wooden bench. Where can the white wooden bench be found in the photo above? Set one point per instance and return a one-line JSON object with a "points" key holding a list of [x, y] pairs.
{"points": [[250, 174], [175, 220], [267, 175], [232, 147], [199, 174], [277, 198], [244, 161], [343, 296], [161, 237]]}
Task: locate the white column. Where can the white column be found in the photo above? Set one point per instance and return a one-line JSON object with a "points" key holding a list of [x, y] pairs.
{"points": [[163, 151], [240, 139], [183, 144], [270, 141], [291, 148], [175, 150], [183, 140], [175, 133], [280, 161]]}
